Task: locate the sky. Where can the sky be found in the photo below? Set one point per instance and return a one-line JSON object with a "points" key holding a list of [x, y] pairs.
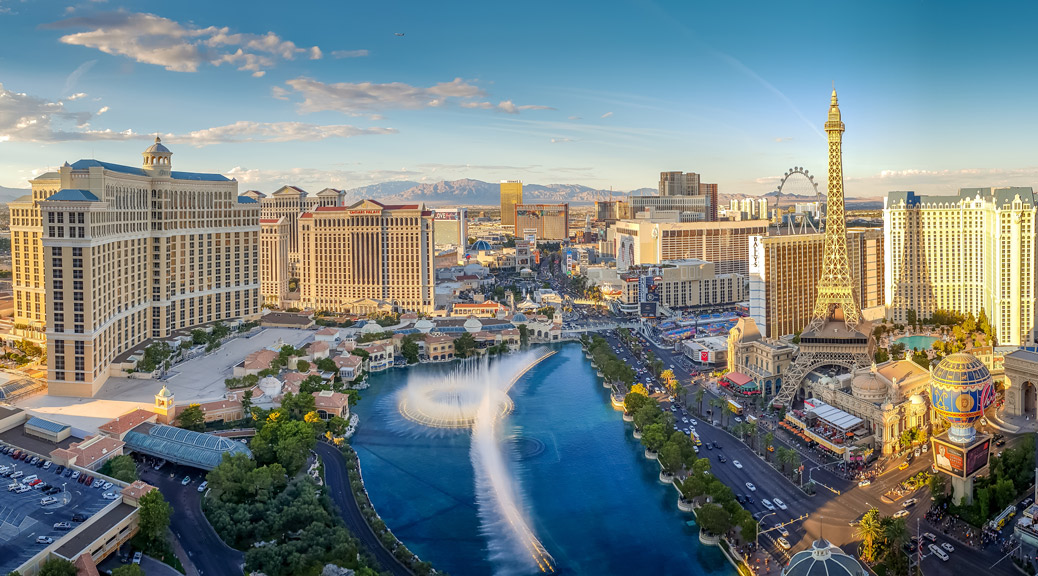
{"points": [[935, 95]]}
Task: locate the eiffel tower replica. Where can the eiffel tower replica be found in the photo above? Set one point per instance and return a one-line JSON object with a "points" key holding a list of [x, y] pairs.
{"points": [[836, 335]]}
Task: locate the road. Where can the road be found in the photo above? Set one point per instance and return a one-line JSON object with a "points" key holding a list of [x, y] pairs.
{"points": [[338, 482], [207, 551]]}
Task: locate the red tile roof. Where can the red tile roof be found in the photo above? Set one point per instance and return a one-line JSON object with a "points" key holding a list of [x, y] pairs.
{"points": [[126, 422]]}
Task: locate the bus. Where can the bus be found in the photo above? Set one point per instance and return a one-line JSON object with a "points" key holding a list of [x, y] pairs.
{"points": [[735, 407]]}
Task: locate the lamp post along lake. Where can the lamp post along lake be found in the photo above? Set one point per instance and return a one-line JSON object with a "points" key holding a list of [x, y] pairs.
{"points": [[519, 465]]}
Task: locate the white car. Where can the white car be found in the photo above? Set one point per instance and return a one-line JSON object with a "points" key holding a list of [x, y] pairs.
{"points": [[865, 482], [767, 504], [736, 464], [780, 504], [107, 486], [783, 543], [693, 422], [109, 496], [938, 552], [203, 486], [947, 546], [900, 513], [781, 530], [44, 540], [751, 487]]}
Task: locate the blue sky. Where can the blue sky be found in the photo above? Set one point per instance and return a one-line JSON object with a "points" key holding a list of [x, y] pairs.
{"points": [[935, 95]]}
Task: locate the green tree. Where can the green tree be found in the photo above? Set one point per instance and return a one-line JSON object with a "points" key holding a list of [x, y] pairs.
{"points": [[121, 468], [920, 358], [192, 418], [769, 440], [58, 567], [524, 335], [699, 401], [246, 403], [895, 534], [327, 365], [897, 351], [881, 355], [670, 457], [937, 485], [911, 317], [286, 442], [870, 532], [128, 570], [653, 437], [409, 349], [303, 366], [713, 519], [154, 516], [464, 345]]}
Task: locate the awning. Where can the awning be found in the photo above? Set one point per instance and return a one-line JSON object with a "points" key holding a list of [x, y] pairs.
{"points": [[738, 378]]}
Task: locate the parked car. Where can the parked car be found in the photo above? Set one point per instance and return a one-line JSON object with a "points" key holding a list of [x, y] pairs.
{"points": [[109, 496], [79, 518], [60, 470], [63, 526], [48, 501], [106, 486], [203, 486], [137, 557], [44, 540], [76, 475], [185, 481]]}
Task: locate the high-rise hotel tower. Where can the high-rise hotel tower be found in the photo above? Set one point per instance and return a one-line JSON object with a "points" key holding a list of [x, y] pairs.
{"points": [[132, 254], [963, 252]]}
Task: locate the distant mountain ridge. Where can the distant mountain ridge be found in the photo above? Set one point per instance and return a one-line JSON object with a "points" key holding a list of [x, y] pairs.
{"points": [[9, 194], [477, 192]]}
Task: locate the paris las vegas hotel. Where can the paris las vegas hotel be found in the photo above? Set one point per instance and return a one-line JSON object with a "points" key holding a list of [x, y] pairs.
{"points": [[107, 256]]}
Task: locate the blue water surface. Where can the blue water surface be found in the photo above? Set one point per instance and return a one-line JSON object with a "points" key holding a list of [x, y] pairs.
{"points": [[593, 500], [917, 342]]}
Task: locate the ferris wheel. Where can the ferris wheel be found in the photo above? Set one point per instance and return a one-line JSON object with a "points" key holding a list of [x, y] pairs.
{"points": [[798, 182]]}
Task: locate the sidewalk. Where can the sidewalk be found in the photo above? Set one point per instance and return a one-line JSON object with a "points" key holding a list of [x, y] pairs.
{"points": [[185, 558]]}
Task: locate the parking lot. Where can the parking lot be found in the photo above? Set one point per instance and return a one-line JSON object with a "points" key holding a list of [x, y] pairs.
{"points": [[22, 517]]}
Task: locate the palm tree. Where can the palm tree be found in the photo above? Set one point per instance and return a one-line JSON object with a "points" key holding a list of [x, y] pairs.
{"points": [[794, 461], [769, 438], [718, 403], [870, 531], [699, 400], [896, 535], [782, 457]]}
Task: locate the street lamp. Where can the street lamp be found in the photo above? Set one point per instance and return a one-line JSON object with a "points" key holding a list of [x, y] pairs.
{"points": [[756, 537]]}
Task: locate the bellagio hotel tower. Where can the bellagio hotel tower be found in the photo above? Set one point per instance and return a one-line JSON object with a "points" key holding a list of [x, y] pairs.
{"points": [[132, 254]]}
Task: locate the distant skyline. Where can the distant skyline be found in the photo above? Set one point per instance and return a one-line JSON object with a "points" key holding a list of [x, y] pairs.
{"points": [[935, 96]]}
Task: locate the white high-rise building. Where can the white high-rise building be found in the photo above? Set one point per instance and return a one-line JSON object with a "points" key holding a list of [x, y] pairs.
{"points": [[966, 253]]}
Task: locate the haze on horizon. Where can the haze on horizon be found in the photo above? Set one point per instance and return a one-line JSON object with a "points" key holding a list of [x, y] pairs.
{"points": [[934, 98]]}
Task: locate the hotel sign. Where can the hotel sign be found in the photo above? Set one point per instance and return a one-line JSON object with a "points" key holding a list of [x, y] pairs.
{"points": [[452, 215]]}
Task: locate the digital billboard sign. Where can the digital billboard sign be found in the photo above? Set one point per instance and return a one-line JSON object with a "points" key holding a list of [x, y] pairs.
{"points": [[958, 460], [648, 309], [977, 457]]}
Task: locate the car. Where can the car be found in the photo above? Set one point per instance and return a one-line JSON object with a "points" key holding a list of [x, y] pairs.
{"points": [[721, 458], [68, 473], [44, 540], [89, 481], [34, 460], [82, 478], [52, 490], [780, 504], [109, 496], [693, 422], [783, 543], [740, 499], [13, 486], [909, 503], [903, 466], [749, 499], [185, 481], [17, 474], [917, 452], [708, 446], [781, 530], [938, 552], [864, 482], [59, 470], [767, 504], [717, 445], [22, 489], [79, 518], [947, 546], [106, 486], [737, 464], [76, 475], [1000, 443], [926, 448], [751, 487], [929, 536], [900, 514], [63, 526], [48, 501], [137, 557], [738, 419]]}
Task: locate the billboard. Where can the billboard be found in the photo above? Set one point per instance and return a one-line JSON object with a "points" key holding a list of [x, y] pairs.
{"points": [[704, 357], [445, 215], [648, 309], [624, 252], [648, 289], [949, 457], [977, 457], [756, 255]]}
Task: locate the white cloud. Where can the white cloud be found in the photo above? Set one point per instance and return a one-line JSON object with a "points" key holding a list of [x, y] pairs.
{"points": [[101, 111], [510, 108], [339, 54], [73, 78], [607, 115], [152, 39], [271, 180], [562, 140], [481, 105], [76, 96], [357, 99], [244, 131], [781, 139], [575, 118]]}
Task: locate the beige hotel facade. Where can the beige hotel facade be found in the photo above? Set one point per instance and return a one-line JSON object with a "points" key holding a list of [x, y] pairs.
{"points": [[132, 254], [367, 257]]}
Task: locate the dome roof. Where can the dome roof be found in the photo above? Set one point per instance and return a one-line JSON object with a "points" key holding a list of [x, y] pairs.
{"points": [[916, 399], [157, 147], [165, 393], [480, 245], [961, 369], [823, 559], [869, 386], [519, 317], [423, 325]]}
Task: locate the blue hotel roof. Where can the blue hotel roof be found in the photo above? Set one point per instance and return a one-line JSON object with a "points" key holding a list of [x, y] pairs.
{"points": [[84, 164], [74, 195]]}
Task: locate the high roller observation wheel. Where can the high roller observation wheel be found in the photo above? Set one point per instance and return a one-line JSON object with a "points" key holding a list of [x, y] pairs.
{"points": [[801, 180]]}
